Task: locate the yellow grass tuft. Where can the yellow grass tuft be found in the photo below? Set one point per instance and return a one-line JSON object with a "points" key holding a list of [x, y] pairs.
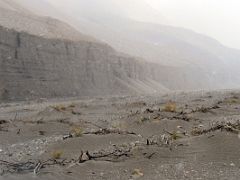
{"points": [[170, 107], [72, 105], [62, 108], [175, 135], [57, 154], [232, 100], [59, 107], [77, 131], [143, 119]]}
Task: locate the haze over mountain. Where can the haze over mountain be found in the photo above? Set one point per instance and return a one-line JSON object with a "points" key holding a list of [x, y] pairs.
{"points": [[110, 21], [108, 89], [43, 57], [216, 18], [179, 59]]}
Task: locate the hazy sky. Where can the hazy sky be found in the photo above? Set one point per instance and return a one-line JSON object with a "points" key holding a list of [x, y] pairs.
{"points": [[217, 18]]}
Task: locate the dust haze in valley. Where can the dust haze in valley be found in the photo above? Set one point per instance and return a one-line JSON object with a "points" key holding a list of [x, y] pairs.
{"points": [[163, 32], [148, 30], [214, 18], [119, 89]]}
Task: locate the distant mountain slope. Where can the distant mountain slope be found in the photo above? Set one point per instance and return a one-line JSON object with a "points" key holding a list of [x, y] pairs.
{"points": [[13, 5], [134, 9], [34, 67], [44, 57], [171, 46], [108, 20], [15, 16]]}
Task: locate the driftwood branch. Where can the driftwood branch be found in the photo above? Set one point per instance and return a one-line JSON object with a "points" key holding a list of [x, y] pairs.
{"points": [[230, 127], [105, 131]]}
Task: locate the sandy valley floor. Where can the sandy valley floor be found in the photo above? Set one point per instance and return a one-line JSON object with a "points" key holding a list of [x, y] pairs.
{"points": [[174, 136]]}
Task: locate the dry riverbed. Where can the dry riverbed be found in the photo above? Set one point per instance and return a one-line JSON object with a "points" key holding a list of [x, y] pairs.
{"points": [[191, 135]]}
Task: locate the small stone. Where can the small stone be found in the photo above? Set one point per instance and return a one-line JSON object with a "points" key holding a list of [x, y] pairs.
{"points": [[137, 173], [232, 164], [85, 157]]}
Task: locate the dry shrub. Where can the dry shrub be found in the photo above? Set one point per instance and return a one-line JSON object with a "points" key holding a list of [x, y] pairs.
{"points": [[77, 131], [57, 154], [59, 107], [72, 105], [170, 107], [175, 135], [232, 100], [144, 119]]}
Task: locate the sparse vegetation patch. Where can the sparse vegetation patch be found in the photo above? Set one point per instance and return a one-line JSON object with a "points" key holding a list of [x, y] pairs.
{"points": [[170, 107], [57, 154]]}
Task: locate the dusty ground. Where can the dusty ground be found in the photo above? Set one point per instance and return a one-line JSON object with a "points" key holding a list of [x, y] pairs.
{"points": [[174, 136]]}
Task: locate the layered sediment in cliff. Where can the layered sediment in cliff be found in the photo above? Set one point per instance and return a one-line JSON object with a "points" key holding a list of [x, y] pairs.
{"points": [[33, 67]]}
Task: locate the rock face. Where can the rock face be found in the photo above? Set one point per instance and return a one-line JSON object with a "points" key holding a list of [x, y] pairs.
{"points": [[33, 67], [41, 57]]}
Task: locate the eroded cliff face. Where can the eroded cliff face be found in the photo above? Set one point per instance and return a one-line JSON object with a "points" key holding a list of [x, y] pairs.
{"points": [[33, 67], [41, 57]]}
